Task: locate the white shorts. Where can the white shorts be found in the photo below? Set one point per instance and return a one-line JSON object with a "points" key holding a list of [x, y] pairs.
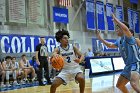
{"points": [[10, 72], [69, 74]]}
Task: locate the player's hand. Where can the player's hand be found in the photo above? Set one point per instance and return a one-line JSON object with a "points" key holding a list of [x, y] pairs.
{"points": [[13, 69], [58, 69], [38, 62], [31, 66], [55, 55], [98, 32], [114, 18], [77, 60]]}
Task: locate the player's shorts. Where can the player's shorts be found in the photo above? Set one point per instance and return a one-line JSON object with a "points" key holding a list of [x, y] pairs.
{"points": [[135, 67], [69, 74], [127, 70], [10, 72]]}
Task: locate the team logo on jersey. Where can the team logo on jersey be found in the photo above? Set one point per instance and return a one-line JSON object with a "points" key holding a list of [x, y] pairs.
{"points": [[43, 51], [67, 54]]}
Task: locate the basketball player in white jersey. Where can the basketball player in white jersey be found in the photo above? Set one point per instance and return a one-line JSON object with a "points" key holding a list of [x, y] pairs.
{"points": [[10, 70], [2, 74], [26, 67], [71, 69]]}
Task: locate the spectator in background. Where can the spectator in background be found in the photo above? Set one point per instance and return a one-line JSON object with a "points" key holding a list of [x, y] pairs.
{"points": [[89, 53], [2, 75]]}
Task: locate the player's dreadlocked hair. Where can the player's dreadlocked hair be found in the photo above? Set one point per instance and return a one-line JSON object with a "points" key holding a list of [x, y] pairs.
{"points": [[60, 33]]}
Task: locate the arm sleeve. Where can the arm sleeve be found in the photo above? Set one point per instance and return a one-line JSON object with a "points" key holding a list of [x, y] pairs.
{"points": [[37, 48], [116, 43], [131, 40]]}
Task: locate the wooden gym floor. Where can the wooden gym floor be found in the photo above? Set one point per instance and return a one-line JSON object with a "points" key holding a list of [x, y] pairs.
{"points": [[101, 84]]}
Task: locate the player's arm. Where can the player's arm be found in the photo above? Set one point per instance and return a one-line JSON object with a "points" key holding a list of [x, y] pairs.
{"points": [[108, 44], [124, 28], [37, 59], [47, 52], [29, 66], [138, 42], [79, 54], [55, 52], [22, 66], [13, 68], [1, 68], [36, 54], [4, 66]]}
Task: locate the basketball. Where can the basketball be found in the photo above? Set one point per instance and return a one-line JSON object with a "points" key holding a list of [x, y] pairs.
{"points": [[57, 62]]}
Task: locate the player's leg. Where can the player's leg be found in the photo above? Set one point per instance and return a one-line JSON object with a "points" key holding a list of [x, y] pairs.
{"points": [[61, 78], [32, 70], [135, 76], [134, 81], [8, 73], [21, 74], [2, 78], [15, 77], [56, 83], [81, 80], [122, 81], [25, 74]]}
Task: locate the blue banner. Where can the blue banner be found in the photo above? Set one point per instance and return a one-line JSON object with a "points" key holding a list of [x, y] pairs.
{"points": [[130, 18], [90, 14], [90, 1], [109, 11], [134, 1], [133, 20], [119, 13], [24, 43], [136, 21], [100, 15], [60, 15], [98, 46]]}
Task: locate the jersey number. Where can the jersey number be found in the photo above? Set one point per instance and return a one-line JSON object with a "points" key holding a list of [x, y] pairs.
{"points": [[68, 59]]}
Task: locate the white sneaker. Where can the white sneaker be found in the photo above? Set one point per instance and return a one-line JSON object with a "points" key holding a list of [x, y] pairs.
{"points": [[2, 85], [25, 79], [52, 79], [44, 80], [33, 79], [8, 85], [15, 83], [22, 82]]}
